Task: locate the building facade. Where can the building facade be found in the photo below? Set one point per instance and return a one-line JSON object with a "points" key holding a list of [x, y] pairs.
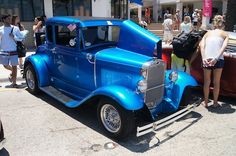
{"points": [[123, 9]]}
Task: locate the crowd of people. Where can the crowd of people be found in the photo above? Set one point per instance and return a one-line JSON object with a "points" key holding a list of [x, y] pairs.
{"points": [[12, 48], [173, 22]]}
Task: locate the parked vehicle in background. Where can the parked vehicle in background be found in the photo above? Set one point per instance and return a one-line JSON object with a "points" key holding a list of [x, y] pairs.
{"points": [[109, 63], [2, 139], [228, 78]]}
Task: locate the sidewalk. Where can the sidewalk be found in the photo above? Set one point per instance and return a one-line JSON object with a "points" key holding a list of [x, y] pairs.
{"points": [[4, 73]]}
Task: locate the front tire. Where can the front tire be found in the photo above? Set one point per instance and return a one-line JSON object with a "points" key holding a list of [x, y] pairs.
{"points": [[31, 79], [187, 96], [116, 121]]}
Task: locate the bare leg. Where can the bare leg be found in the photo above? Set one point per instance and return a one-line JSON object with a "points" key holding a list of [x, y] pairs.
{"points": [[20, 62], [217, 75], [206, 88], [14, 74], [8, 67]]}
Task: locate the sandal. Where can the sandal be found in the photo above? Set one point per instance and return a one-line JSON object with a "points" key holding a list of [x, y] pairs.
{"points": [[215, 105]]}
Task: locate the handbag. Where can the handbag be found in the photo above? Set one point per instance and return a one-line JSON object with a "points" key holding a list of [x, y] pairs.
{"points": [[20, 48]]}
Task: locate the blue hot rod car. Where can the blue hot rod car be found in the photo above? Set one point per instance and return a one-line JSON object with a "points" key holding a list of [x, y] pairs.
{"points": [[110, 63]]}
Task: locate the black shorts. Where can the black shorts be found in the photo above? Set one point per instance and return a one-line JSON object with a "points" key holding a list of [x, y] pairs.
{"points": [[219, 64]]}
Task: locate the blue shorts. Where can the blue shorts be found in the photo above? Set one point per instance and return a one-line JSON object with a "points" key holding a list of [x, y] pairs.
{"points": [[6, 59], [219, 64]]}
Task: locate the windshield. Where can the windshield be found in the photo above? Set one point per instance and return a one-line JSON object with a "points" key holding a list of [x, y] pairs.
{"points": [[100, 35]]}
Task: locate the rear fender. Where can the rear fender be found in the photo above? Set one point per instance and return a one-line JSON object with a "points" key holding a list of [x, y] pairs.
{"points": [[38, 62]]}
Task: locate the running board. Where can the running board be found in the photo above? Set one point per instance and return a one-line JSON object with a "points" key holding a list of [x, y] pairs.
{"points": [[152, 127], [56, 94]]}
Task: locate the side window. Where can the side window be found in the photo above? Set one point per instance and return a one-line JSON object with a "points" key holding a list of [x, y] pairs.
{"points": [[100, 35], [49, 33], [66, 35]]}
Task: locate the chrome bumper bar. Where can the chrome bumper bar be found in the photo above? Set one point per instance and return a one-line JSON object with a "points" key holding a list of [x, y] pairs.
{"points": [[2, 143], [152, 127]]}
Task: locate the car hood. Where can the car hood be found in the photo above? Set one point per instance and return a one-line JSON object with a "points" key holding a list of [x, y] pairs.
{"points": [[139, 40], [122, 57]]}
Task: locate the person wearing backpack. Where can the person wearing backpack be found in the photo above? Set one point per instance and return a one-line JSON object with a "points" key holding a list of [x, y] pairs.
{"points": [[212, 48]]}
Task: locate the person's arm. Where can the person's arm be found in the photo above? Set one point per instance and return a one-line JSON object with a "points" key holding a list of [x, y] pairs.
{"points": [[17, 34], [225, 43], [202, 45], [37, 26]]}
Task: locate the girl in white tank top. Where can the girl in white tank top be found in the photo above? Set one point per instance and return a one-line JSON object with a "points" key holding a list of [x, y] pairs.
{"points": [[212, 47]]}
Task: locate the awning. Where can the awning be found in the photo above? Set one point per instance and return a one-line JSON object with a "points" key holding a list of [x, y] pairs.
{"points": [[140, 2]]}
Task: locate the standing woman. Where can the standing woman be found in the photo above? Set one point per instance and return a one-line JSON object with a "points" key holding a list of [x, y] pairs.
{"points": [[37, 28], [21, 54], [212, 47]]}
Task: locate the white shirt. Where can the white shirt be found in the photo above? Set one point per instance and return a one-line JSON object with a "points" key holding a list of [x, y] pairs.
{"points": [[212, 46], [185, 27], [6, 42], [167, 24]]}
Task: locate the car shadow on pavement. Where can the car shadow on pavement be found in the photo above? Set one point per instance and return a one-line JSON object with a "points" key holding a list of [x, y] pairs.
{"points": [[153, 140], [86, 114], [4, 152]]}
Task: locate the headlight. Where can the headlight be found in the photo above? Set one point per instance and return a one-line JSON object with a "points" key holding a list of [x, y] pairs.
{"points": [[173, 76], [144, 73], [142, 86]]}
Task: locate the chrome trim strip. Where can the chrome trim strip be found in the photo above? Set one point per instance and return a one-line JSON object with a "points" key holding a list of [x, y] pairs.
{"points": [[155, 87], [2, 143], [94, 72], [165, 121]]}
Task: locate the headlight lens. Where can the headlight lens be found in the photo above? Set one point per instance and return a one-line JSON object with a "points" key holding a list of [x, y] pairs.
{"points": [[142, 85], [173, 76], [144, 73]]}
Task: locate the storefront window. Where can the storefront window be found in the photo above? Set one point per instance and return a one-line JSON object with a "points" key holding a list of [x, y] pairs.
{"points": [[119, 9], [26, 9], [71, 8], [62, 8]]}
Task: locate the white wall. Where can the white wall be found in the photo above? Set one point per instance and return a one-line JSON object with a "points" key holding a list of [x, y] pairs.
{"points": [[101, 8], [48, 8]]}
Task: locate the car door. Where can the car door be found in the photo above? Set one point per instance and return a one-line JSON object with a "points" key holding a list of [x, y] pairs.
{"points": [[65, 56]]}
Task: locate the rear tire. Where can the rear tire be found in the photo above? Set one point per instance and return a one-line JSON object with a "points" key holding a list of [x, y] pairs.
{"points": [[31, 79], [116, 121]]}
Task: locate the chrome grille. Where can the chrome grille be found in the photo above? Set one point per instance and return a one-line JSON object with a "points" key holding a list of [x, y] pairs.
{"points": [[155, 83]]}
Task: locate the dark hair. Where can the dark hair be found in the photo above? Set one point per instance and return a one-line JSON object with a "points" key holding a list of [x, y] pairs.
{"points": [[39, 18], [5, 16], [13, 19]]}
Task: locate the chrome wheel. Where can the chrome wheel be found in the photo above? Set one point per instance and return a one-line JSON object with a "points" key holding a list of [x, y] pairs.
{"points": [[110, 118], [30, 79]]}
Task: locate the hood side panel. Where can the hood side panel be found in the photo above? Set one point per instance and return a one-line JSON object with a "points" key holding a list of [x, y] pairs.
{"points": [[137, 39]]}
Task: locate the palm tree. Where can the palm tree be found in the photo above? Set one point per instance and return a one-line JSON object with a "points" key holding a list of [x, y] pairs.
{"points": [[230, 15]]}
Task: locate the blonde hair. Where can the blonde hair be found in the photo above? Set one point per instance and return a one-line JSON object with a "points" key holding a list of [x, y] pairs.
{"points": [[187, 19], [218, 22]]}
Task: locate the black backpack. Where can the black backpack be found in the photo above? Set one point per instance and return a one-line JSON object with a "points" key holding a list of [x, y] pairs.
{"points": [[185, 44]]}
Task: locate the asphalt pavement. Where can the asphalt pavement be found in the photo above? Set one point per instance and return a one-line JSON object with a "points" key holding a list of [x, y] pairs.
{"points": [[41, 126]]}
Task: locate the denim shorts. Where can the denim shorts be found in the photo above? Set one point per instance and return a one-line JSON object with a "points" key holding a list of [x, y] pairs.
{"points": [[219, 64], [9, 59]]}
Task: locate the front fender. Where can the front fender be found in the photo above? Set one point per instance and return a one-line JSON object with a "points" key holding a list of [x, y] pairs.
{"points": [[174, 93], [38, 62], [122, 95]]}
